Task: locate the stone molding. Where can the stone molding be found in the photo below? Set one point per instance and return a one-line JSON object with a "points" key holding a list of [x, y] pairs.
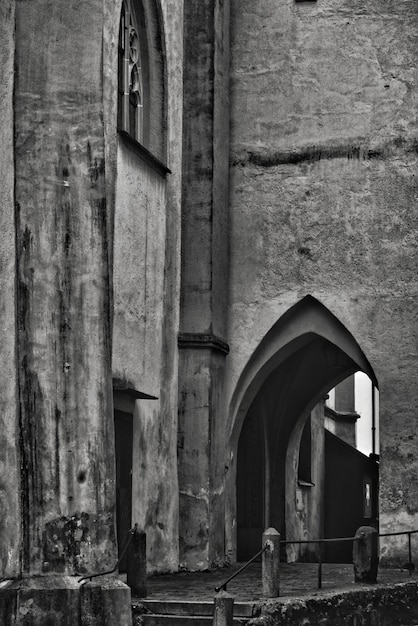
{"points": [[143, 153], [123, 386], [202, 340], [341, 416]]}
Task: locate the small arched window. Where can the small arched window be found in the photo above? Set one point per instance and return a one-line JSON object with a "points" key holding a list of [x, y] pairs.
{"points": [[305, 454], [141, 76]]}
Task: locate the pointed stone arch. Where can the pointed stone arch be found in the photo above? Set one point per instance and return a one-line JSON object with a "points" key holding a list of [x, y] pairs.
{"points": [[291, 332], [310, 351]]}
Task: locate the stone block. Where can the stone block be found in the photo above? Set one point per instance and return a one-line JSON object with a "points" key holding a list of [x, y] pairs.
{"points": [[52, 600], [137, 565], [366, 554]]}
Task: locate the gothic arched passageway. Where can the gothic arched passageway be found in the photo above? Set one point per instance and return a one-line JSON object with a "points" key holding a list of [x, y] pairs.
{"points": [[282, 449]]}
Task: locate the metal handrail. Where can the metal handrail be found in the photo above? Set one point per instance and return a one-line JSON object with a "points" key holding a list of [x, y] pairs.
{"points": [[410, 565], [223, 586], [286, 542], [402, 532], [132, 532], [297, 541], [321, 542]]}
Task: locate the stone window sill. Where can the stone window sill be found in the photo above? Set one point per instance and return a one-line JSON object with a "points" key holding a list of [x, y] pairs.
{"points": [[144, 154], [305, 483]]}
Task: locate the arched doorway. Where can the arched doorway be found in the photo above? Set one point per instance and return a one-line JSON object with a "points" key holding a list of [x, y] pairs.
{"points": [[279, 414]]}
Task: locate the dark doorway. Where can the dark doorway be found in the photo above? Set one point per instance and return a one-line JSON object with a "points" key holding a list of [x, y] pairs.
{"points": [[351, 495], [123, 448], [250, 488]]}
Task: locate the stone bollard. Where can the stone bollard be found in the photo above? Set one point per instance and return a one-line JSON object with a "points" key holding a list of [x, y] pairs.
{"points": [[224, 609], [270, 563], [137, 565], [366, 554]]}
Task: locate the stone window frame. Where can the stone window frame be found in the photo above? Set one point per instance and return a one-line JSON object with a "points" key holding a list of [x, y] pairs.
{"points": [[130, 72], [142, 90]]}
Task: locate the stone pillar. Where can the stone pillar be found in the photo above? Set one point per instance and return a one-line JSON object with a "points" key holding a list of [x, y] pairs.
{"points": [[63, 290], [201, 446], [223, 614], [63, 306]]}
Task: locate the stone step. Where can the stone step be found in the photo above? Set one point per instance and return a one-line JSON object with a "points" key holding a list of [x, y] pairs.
{"points": [[186, 612], [194, 608], [153, 619]]}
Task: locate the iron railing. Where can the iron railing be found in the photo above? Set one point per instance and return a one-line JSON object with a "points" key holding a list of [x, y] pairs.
{"points": [[321, 542], [228, 580], [410, 565]]}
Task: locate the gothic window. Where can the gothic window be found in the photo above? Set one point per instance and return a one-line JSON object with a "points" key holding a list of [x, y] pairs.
{"points": [[305, 454], [141, 76], [131, 96]]}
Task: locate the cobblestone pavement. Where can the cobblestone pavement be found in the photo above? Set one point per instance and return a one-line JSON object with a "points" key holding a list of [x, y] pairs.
{"points": [[296, 579]]}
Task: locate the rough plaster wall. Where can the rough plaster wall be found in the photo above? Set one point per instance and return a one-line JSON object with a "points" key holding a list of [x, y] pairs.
{"points": [[323, 195], [146, 288], [9, 462], [138, 271]]}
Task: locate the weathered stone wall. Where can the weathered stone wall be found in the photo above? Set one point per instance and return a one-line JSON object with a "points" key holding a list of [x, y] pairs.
{"points": [[55, 281], [138, 271], [383, 606], [9, 460], [146, 287], [323, 195], [63, 305], [203, 316]]}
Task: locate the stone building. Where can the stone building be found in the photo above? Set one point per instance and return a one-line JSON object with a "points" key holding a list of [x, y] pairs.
{"points": [[208, 221]]}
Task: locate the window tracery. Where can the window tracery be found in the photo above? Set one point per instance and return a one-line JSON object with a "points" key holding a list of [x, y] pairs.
{"points": [[141, 81], [131, 96]]}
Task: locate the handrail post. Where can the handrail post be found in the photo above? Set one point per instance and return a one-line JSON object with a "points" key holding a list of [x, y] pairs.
{"points": [[366, 554], [137, 564], [409, 554], [270, 563], [320, 566], [223, 614]]}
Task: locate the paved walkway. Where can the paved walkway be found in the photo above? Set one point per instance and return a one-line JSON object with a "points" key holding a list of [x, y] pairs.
{"points": [[296, 579]]}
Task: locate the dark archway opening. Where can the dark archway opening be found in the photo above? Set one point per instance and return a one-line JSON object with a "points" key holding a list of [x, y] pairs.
{"points": [[294, 474]]}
